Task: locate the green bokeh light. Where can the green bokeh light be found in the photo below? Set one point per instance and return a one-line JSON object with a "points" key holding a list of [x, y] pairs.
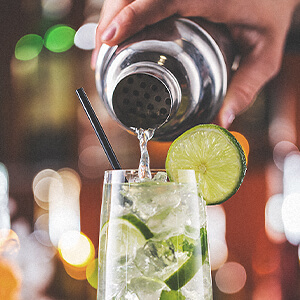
{"points": [[28, 47], [92, 273], [59, 38]]}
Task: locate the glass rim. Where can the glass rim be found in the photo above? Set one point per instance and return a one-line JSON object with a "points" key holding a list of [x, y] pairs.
{"points": [[133, 171], [184, 176]]}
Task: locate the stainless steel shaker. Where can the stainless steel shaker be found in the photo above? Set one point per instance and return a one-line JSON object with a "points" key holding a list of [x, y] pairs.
{"points": [[171, 76]]}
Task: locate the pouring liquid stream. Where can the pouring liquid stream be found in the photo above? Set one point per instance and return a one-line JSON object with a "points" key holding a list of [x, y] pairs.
{"points": [[144, 135]]}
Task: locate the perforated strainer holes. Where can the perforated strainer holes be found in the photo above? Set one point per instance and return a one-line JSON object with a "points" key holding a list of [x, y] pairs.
{"points": [[141, 101]]}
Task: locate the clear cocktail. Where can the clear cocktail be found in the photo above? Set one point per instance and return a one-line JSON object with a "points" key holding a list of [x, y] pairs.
{"points": [[153, 238]]}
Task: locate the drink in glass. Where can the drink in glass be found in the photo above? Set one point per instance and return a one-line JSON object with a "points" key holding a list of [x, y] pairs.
{"points": [[153, 238]]}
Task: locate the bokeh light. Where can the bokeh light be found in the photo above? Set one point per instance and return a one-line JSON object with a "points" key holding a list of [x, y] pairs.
{"points": [[9, 242], [64, 208], [76, 248], [291, 173], [265, 257], [41, 230], [267, 289], [291, 218], [92, 161], [280, 151], [71, 182], [92, 273], [59, 38], [231, 278], [36, 262], [282, 129], [243, 142], [4, 198], [56, 9], [218, 253], [76, 251], [41, 186], [273, 219], [3, 183], [216, 229], [58, 192], [28, 47], [291, 203], [22, 68], [85, 36], [11, 280], [216, 219]]}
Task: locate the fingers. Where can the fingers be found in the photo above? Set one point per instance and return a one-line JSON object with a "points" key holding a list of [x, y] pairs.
{"points": [[126, 18], [134, 17], [258, 67], [109, 10], [121, 19]]}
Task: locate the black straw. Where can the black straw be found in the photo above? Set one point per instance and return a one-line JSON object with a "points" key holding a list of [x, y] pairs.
{"points": [[98, 128]]}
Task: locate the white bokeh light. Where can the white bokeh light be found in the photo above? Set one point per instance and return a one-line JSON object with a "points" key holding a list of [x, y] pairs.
{"points": [[216, 229], [291, 173], [273, 219], [291, 218], [291, 192], [64, 208], [231, 278], [85, 36]]}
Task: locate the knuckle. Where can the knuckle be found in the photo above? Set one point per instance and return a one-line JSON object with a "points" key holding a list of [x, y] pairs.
{"points": [[130, 12], [246, 95]]}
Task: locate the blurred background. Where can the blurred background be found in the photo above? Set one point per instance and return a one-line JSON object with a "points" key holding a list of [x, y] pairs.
{"points": [[52, 166]]}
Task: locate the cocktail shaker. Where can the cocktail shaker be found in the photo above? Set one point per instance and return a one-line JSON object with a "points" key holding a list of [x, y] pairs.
{"points": [[170, 76]]}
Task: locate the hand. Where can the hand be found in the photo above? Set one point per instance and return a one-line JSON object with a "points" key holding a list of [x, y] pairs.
{"points": [[259, 27]]}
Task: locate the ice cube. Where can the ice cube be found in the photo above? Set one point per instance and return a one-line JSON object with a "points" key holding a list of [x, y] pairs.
{"points": [[158, 259], [150, 198], [177, 219], [147, 288], [155, 257], [160, 176], [168, 222], [115, 277], [125, 294]]}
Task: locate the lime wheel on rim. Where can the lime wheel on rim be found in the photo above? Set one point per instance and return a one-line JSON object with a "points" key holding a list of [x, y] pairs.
{"points": [[216, 156]]}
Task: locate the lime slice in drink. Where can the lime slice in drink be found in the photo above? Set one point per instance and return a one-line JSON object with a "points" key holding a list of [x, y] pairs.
{"points": [[171, 295], [191, 266], [141, 226], [128, 234], [216, 156]]}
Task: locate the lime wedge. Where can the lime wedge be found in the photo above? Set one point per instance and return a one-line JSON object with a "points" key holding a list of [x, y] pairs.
{"points": [[216, 156], [141, 226], [127, 234], [191, 266], [171, 295]]}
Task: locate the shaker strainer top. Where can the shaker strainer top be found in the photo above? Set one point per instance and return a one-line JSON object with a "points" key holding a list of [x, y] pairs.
{"points": [[142, 101]]}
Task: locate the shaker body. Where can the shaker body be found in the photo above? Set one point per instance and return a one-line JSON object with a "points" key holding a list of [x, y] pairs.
{"points": [[183, 63]]}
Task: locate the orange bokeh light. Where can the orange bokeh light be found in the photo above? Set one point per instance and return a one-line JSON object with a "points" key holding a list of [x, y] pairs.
{"points": [[243, 142], [9, 242], [76, 252], [10, 283]]}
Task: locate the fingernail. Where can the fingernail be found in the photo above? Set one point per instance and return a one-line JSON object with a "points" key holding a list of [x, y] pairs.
{"points": [[109, 33], [228, 118]]}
